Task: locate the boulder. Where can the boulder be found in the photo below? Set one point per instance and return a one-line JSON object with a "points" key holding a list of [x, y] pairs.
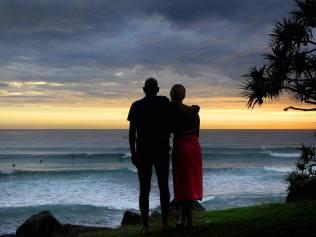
{"points": [[174, 207], [39, 225], [305, 191], [131, 218], [197, 206]]}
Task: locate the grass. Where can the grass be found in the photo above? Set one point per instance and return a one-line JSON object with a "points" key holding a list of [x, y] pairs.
{"points": [[291, 219]]}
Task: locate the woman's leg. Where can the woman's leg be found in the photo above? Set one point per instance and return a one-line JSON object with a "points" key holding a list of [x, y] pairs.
{"points": [[183, 208], [181, 215], [189, 213]]}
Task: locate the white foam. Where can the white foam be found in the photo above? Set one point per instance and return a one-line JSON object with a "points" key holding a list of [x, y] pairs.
{"points": [[125, 155], [10, 171], [278, 169], [208, 198], [133, 169], [279, 154]]}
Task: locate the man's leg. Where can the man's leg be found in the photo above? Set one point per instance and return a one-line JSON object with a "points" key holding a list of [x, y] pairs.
{"points": [[162, 170], [144, 176]]}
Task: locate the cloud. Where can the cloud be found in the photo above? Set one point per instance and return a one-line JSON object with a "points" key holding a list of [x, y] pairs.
{"points": [[119, 74], [72, 48], [4, 84], [19, 84]]}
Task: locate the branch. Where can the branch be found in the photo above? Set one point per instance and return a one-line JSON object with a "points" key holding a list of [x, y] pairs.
{"points": [[311, 42], [310, 74], [310, 51], [293, 89], [300, 109], [309, 102], [299, 92], [298, 80]]}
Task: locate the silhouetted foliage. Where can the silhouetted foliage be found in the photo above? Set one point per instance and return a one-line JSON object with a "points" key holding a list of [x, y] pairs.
{"points": [[291, 65], [303, 171]]}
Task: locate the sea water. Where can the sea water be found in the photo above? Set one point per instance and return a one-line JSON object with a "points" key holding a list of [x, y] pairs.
{"points": [[85, 176]]}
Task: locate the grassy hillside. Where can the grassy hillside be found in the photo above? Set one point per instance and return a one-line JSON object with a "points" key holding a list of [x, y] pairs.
{"points": [[295, 219]]}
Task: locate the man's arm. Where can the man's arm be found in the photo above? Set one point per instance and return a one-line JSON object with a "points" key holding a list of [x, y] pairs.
{"points": [[132, 138], [132, 141], [198, 126], [190, 110]]}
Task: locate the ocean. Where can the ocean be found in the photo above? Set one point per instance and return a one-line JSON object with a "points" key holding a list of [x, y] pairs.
{"points": [[85, 176]]}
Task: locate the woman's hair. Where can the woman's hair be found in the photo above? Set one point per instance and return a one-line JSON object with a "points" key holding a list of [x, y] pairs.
{"points": [[177, 92]]}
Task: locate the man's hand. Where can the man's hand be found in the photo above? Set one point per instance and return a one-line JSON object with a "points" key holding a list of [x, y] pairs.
{"points": [[132, 143], [135, 159], [190, 110]]}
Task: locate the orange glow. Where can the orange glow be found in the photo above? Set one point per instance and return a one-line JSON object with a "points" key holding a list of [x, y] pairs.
{"points": [[216, 113]]}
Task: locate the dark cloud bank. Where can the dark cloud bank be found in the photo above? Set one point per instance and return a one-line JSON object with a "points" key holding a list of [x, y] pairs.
{"points": [[99, 47]]}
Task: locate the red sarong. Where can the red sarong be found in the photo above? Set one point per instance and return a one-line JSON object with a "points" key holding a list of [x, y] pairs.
{"points": [[187, 168]]}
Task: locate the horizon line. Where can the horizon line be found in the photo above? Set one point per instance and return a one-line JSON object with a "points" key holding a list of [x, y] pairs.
{"points": [[202, 129]]}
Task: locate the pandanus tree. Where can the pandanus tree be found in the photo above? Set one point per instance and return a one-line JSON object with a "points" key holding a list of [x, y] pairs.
{"points": [[302, 179], [290, 68]]}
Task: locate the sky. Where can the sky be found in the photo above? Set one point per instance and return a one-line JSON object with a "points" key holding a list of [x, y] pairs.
{"points": [[80, 64]]}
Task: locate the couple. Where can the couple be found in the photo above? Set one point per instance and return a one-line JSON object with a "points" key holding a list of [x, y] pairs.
{"points": [[152, 120]]}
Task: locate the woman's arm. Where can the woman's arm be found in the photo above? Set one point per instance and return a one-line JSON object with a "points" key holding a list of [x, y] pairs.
{"points": [[190, 110], [198, 126]]}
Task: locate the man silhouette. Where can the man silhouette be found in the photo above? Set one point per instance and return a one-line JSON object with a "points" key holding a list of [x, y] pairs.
{"points": [[149, 134]]}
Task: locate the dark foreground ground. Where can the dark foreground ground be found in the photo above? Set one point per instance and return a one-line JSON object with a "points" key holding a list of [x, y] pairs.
{"points": [[294, 219]]}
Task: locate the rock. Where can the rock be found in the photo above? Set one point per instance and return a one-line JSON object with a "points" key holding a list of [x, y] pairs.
{"points": [[174, 207], [39, 225], [305, 191], [131, 218], [198, 207]]}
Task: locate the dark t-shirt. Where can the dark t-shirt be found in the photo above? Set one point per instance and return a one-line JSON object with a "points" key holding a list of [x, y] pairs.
{"points": [[151, 117]]}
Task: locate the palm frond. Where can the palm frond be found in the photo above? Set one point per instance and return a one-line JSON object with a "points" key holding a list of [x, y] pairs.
{"points": [[257, 87], [289, 33], [306, 12]]}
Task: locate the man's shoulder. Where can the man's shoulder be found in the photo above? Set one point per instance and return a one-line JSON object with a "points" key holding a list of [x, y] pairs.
{"points": [[134, 109], [163, 98], [141, 103], [137, 102], [159, 98]]}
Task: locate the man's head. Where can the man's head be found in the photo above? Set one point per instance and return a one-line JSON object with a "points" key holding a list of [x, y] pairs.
{"points": [[151, 87]]}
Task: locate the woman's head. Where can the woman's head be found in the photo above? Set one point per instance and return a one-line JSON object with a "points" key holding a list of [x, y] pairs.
{"points": [[177, 93]]}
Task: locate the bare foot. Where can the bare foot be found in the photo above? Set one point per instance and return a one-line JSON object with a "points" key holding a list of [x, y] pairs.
{"points": [[180, 226], [190, 225], [164, 227], [145, 230]]}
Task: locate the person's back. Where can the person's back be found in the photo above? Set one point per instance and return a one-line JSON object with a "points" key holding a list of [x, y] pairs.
{"points": [[185, 119], [149, 134], [151, 116], [186, 156]]}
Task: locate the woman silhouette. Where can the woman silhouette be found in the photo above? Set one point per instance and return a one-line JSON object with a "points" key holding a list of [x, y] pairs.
{"points": [[186, 155]]}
